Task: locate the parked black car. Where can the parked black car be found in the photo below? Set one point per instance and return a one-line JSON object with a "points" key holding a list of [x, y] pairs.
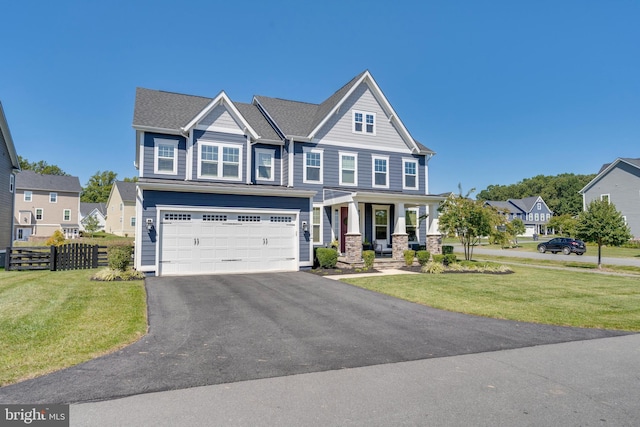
{"points": [[564, 245]]}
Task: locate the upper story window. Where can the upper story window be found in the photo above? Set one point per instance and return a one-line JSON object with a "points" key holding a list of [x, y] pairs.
{"points": [[409, 174], [348, 169], [364, 122], [313, 166], [380, 171], [132, 221], [66, 215], [39, 214], [12, 182], [53, 197], [264, 164], [539, 206], [28, 195], [219, 161], [166, 156], [605, 197]]}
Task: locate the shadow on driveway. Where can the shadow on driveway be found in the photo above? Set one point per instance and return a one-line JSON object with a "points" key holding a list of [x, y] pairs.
{"points": [[207, 330]]}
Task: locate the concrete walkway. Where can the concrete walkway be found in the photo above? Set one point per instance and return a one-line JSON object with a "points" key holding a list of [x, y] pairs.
{"points": [[580, 383]]}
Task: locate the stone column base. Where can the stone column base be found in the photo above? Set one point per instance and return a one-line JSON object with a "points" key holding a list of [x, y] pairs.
{"points": [[399, 243], [434, 244], [353, 248]]}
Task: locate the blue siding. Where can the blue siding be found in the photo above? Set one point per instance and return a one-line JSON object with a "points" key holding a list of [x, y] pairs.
{"points": [[149, 160], [153, 198]]}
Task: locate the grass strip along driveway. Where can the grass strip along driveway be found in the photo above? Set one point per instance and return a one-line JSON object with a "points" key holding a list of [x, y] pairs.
{"points": [[54, 319], [531, 294]]}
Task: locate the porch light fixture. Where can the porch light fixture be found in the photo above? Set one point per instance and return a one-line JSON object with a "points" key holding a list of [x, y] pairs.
{"points": [[305, 226], [149, 224]]}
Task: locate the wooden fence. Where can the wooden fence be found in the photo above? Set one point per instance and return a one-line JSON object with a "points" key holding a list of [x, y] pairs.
{"points": [[72, 256]]}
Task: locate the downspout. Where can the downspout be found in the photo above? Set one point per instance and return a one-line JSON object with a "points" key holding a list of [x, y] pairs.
{"points": [[248, 178], [291, 162]]}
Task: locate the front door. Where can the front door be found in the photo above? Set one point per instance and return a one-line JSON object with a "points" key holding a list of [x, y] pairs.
{"points": [[23, 234], [344, 219]]}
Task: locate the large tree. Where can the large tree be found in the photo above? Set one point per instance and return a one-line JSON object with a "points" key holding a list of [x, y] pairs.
{"points": [[602, 224], [40, 167], [98, 188], [468, 219]]}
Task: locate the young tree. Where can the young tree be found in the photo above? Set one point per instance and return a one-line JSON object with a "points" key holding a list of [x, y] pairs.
{"points": [[601, 223], [91, 224], [516, 228], [468, 219], [98, 188], [564, 225]]}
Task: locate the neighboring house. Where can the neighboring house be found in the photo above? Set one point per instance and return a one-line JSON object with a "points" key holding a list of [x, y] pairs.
{"points": [[46, 203], [619, 183], [533, 211], [9, 166], [97, 210], [121, 209], [227, 187]]}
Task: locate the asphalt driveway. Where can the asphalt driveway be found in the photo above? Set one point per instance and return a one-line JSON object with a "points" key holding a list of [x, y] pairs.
{"points": [[207, 330]]}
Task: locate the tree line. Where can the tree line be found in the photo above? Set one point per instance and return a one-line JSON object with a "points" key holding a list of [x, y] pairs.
{"points": [[96, 190]]}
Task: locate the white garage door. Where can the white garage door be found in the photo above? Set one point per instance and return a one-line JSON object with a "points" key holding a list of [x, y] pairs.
{"points": [[222, 242]]}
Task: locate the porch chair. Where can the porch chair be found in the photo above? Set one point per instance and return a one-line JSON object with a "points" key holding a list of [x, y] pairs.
{"points": [[382, 247]]}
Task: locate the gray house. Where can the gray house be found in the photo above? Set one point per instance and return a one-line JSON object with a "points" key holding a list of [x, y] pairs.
{"points": [[619, 183], [533, 211], [226, 186], [9, 165]]}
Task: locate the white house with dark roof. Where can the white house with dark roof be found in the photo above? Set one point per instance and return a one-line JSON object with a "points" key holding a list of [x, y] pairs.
{"points": [[46, 203], [619, 183], [533, 211], [230, 187], [96, 210], [9, 166]]}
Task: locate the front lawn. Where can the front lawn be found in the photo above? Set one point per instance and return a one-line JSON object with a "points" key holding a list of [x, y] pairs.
{"points": [[50, 320], [530, 295]]}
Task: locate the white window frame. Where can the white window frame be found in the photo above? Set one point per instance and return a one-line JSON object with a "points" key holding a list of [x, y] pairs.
{"points": [[53, 197], [417, 226], [539, 206], [605, 196], [375, 208], [156, 156], [319, 151], [12, 183], [548, 216], [41, 214], [529, 216], [319, 225], [64, 214], [132, 221], [341, 154], [365, 115], [220, 153], [536, 217], [373, 171], [272, 155], [28, 196], [404, 174]]}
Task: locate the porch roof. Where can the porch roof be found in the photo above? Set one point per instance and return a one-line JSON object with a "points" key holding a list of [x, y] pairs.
{"points": [[336, 197]]}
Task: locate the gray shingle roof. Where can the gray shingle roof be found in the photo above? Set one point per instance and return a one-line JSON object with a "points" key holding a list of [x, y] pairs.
{"points": [[29, 180], [254, 117], [635, 162], [291, 117], [166, 110], [87, 208], [127, 190]]}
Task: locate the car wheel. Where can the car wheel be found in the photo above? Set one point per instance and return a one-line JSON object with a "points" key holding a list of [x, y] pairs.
{"points": [[579, 253], [542, 249], [566, 250]]}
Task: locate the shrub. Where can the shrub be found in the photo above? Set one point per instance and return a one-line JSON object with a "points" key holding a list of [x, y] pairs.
{"points": [[423, 257], [433, 268], [450, 259], [447, 249], [409, 255], [438, 258], [368, 257], [119, 257], [327, 258], [57, 239]]}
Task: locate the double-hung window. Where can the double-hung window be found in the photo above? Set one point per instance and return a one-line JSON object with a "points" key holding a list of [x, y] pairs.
{"points": [[409, 174], [364, 122], [66, 215], [53, 197], [348, 169], [219, 161], [312, 166], [28, 196], [380, 171], [132, 221], [264, 164], [166, 156], [39, 214]]}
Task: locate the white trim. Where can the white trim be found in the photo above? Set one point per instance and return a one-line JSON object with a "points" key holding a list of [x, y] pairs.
{"points": [[375, 157], [220, 129], [290, 159], [12, 183], [364, 115], [355, 171], [415, 209], [189, 158], [316, 150], [603, 173], [247, 164], [138, 234], [220, 188], [222, 99], [357, 145], [270, 152], [153, 129], [24, 196], [375, 208], [220, 162], [321, 240], [35, 214], [141, 155], [608, 196], [161, 141], [53, 194], [66, 220], [404, 175]]}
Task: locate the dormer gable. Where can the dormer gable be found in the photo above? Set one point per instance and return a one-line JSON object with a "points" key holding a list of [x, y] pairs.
{"points": [[221, 115]]}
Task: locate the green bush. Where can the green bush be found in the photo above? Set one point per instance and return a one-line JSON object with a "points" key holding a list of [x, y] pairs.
{"points": [[450, 259], [327, 258], [409, 255], [119, 257], [368, 257], [423, 257], [447, 249], [438, 258], [56, 239]]}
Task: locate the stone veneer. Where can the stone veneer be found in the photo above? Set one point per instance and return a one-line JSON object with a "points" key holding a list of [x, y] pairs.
{"points": [[434, 244], [353, 248], [399, 243]]}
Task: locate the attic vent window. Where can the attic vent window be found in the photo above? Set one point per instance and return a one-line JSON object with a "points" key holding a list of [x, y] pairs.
{"points": [[364, 122]]}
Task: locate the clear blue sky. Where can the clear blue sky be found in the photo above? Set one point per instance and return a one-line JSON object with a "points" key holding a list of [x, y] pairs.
{"points": [[502, 90]]}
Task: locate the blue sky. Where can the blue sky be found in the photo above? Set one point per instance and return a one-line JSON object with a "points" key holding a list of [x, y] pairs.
{"points": [[502, 90]]}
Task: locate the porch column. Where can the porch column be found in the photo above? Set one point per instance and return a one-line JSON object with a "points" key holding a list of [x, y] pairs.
{"points": [[434, 237], [399, 238], [353, 238]]}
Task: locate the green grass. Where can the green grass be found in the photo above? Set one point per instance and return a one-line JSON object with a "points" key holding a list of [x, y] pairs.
{"points": [[530, 295], [562, 261], [52, 320]]}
